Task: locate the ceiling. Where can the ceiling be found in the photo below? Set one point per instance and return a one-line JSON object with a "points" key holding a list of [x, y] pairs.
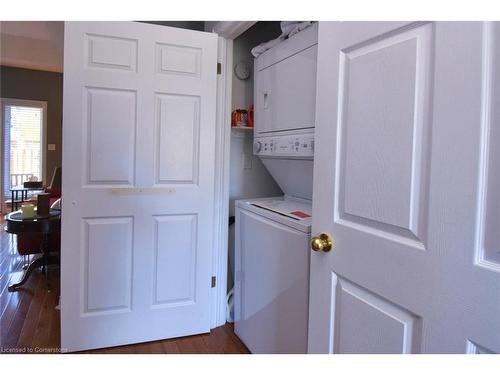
{"points": [[32, 44], [52, 31]]}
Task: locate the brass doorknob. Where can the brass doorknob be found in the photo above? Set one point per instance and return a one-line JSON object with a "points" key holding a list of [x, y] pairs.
{"points": [[323, 242]]}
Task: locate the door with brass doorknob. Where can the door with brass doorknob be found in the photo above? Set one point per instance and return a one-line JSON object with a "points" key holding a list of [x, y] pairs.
{"points": [[406, 178], [323, 242]]}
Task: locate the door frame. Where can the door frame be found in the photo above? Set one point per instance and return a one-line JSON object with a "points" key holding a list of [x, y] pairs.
{"points": [[221, 188], [231, 29], [43, 154], [227, 31]]}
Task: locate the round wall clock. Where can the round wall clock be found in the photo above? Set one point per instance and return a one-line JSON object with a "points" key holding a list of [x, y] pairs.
{"points": [[242, 70]]}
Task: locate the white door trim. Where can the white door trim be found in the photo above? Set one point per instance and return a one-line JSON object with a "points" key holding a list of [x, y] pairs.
{"points": [[232, 29], [221, 212], [227, 32]]}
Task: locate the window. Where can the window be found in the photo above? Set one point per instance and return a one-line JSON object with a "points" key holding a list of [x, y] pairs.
{"points": [[23, 128]]}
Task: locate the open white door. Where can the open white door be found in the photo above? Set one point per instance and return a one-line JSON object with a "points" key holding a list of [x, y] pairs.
{"points": [[138, 183], [406, 181]]}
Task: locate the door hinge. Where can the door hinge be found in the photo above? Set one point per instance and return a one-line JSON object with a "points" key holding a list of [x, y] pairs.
{"points": [[219, 68], [213, 281]]}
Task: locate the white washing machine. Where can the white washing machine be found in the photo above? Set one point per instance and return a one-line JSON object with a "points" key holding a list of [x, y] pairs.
{"points": [[271, 286], [272, 274]]}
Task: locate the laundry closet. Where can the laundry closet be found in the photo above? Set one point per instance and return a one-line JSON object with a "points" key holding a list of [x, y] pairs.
{"points": [[248, 177], [271, 184]]}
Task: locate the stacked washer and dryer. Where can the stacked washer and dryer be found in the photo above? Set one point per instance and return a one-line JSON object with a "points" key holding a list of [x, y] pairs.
{"points": [[272, 234]]}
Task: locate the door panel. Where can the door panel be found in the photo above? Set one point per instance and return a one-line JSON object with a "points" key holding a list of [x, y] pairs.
{"points": [[110, 52], [108, 246], [180, 60], [368, 323], [111, 114], [178, 128], [175, 263], [139, 139], [403, 125], [382, 98]]}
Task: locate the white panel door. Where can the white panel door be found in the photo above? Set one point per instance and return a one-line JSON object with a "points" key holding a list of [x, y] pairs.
{"points": [[406, 181], [138, 183]]}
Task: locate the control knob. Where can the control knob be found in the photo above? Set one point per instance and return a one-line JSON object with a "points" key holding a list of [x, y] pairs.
{"points": [[257, 146]]}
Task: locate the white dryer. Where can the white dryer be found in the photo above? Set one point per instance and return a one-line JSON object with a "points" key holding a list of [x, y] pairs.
{"points": [[272, 274]]}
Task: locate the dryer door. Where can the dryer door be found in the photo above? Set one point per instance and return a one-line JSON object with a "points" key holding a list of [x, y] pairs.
{"points": [[285, 93]]}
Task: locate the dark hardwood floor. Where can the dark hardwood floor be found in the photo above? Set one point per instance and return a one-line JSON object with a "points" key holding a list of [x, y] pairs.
{"points": [[220, 340], [29, 321]]}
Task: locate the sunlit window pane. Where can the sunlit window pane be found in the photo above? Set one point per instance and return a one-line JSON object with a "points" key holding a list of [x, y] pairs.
{"points": [[24, 141]]}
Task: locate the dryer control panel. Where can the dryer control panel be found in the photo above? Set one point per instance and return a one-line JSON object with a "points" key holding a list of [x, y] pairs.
{"points": [[289, 146]]}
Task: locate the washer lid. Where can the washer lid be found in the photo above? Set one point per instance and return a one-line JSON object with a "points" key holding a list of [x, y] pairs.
{"points": [[289, 211], [291, 208]]}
